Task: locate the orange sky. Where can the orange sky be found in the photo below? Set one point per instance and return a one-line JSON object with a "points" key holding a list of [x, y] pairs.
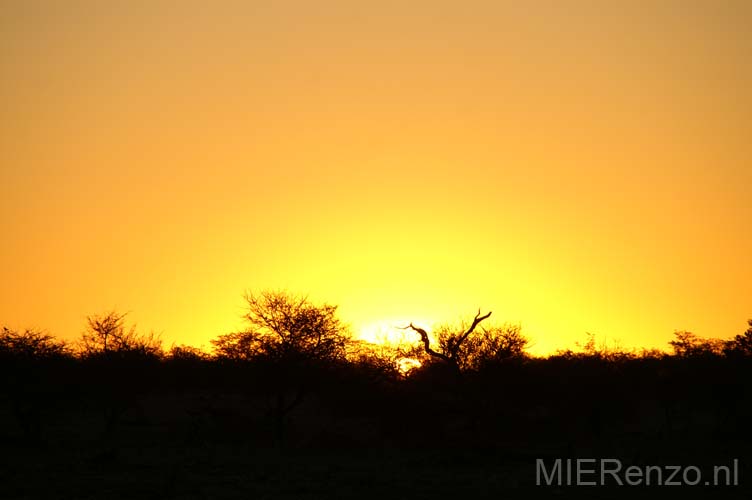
{"points": [[573, 166]]}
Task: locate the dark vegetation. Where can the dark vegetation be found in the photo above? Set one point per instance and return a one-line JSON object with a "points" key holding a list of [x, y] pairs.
{"points": [[293, 407]]}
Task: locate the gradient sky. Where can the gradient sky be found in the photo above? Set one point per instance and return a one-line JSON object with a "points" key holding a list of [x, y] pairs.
{"points": [[573, 166]]}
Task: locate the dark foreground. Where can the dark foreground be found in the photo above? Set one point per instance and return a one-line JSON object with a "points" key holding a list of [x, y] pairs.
{"points": [[238, 472], [197, 429]]}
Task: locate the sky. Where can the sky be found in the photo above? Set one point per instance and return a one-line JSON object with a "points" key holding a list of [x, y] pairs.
{"points": [[572, 166]]}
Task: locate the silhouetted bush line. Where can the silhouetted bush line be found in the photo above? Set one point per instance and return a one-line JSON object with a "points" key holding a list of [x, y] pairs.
{"points": [[295, 380]]}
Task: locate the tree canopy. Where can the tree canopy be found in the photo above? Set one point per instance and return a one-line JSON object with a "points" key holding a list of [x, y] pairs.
{"points": [[283, 326]]}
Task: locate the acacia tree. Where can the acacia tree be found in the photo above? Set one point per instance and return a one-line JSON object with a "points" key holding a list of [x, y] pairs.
{"points": [[119, 363], [107, 334], [285, 327], [291, 341]]}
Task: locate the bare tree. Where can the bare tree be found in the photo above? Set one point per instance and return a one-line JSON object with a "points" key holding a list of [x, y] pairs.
{"points": [[450, 342]]}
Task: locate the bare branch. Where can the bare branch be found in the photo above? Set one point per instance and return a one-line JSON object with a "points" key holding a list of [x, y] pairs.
{"points": [[427, 343], [476, 321], [452, 348]]}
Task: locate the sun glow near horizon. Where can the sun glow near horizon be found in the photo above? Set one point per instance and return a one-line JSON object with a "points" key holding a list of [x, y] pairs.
{"points": [[392, 333]]}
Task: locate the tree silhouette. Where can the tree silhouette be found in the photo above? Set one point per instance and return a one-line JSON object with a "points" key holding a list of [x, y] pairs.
{"points": [[120, 364], [29, 361], [186, 353], [291, 344], [450, 349], [687, 344], [30, 344], [107, 334], [492, 345], [286, 327], [741, 345]]}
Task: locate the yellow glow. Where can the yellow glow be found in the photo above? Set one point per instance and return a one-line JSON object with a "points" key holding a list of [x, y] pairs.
{"points": [[390, 332], [406, 365], [573, 167]]}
